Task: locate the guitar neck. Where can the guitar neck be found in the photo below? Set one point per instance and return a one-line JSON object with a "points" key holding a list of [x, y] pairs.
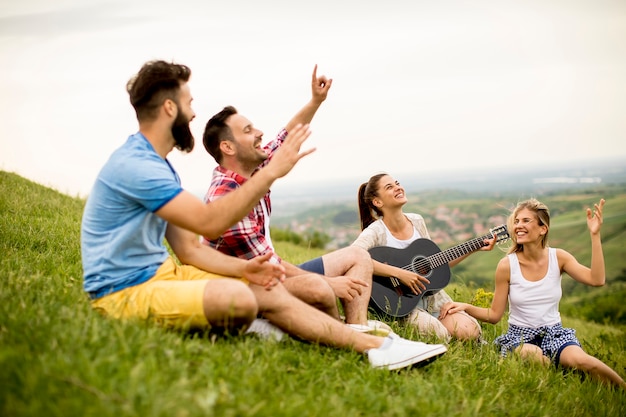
{"points": [[450, 254]]}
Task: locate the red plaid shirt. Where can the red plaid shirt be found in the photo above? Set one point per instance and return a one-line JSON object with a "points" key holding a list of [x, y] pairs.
{"points": [[246, 239]]}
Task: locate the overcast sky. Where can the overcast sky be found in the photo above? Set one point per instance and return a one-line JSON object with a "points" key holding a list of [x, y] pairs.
{"points": [[418, 86]]}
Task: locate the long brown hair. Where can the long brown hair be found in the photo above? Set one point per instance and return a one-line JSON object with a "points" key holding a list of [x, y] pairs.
{"points": [[543, 218], [368, 191]]}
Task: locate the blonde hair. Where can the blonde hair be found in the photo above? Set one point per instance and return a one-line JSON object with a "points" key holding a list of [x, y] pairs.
{"points": [[543, 218]]}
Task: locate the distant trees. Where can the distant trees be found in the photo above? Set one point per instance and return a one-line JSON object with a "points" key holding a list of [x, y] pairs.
{"points": [[310, 239], [603, 305]]}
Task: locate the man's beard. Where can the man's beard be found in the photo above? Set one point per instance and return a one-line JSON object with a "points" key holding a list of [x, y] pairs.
{"points": [[250, 158], [182, 133]]}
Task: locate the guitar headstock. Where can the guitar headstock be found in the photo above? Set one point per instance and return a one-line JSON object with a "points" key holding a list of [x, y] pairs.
{"points": [[501, 233]]}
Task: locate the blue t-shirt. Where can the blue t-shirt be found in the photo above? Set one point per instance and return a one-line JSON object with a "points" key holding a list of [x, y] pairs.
{"points": [[121, 237]]}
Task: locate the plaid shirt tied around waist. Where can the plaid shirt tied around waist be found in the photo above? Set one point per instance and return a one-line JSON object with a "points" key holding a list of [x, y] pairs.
{"points": [[548, 338]]}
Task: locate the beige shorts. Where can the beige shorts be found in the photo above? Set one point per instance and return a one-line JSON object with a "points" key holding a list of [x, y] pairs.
{"points": [[427, 319], [172, 298]]}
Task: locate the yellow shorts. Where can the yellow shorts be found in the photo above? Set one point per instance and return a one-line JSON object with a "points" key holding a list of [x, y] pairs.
{"points": [[172, 298]]}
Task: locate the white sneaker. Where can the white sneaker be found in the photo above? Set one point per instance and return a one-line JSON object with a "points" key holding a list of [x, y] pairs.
{"points": [[396, 353], [380, 328], [265, 329], [373, 327]]}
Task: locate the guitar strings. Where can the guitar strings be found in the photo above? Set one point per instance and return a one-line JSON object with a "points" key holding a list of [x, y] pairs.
{"points": [[423, 264]]}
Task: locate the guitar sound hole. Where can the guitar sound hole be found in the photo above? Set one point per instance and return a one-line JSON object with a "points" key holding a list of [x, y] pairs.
{"points": [[421, 266]]}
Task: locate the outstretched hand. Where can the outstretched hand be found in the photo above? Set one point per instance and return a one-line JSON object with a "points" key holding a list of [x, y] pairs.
{"points": [[594, 219], [261, 271], [320, 86], [289, 153], [451, 308]]}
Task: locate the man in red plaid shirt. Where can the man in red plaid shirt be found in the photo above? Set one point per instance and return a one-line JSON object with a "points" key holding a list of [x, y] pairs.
{"points": [[235, 143]]}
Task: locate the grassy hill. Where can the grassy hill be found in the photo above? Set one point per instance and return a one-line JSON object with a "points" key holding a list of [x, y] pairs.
{"points": [[59, 358]]}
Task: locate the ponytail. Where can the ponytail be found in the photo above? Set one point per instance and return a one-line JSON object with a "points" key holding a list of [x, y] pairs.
{"points": [[367, 193]]}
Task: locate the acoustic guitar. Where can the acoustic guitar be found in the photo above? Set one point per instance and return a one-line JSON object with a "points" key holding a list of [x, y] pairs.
{"points": [[391, 297]]}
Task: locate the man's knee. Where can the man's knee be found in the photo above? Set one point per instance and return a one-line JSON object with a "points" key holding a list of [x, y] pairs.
{"points": [[358, 254], [349, 257], [319, 292], [363, 258], [227, 300], [311, 288]]}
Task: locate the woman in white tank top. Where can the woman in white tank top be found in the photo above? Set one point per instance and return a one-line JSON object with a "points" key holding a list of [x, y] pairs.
{"points": [[529, 278]]}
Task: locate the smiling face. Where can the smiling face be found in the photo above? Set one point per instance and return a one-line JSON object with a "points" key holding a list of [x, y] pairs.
{"points": [[527, 227], [246, 142], [529, 223], [389, 194]]}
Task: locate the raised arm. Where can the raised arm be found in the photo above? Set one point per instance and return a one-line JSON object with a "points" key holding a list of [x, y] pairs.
{"points": [[595, 275], [211, 220], [319, 91]]}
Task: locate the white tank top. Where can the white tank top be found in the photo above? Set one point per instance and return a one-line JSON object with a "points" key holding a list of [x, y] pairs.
{"points": [[393, 242], [535, 304]]}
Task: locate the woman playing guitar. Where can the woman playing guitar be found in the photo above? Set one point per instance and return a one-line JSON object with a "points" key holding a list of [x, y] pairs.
{"points": [[384, 224]]}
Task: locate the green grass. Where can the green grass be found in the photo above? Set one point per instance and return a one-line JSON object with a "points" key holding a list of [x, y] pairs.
{"points": [[59, 358]]}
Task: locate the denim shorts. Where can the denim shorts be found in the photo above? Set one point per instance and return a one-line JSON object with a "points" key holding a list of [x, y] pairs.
{"points": [[314, 265]]}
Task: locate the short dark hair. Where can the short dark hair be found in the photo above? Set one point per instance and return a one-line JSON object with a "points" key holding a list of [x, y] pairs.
{"points": [[155, 82], [217, 131]]}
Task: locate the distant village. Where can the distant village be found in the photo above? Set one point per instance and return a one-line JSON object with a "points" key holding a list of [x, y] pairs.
{"points": [[446, 226]]}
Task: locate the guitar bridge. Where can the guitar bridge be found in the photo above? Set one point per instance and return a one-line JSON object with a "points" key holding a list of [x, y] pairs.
{"points": [[395, 283]]}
